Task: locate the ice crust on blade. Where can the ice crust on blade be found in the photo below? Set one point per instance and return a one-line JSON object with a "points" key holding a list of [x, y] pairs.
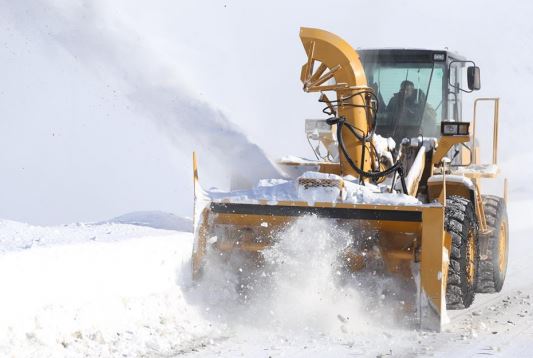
{"points": [[275, 190]]}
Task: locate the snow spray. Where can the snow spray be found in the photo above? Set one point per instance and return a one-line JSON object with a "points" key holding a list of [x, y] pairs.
{"points": [[117, 55], [298, 285]]}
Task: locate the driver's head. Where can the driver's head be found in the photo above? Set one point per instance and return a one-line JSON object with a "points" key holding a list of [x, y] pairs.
{"points": [[407, 88]]}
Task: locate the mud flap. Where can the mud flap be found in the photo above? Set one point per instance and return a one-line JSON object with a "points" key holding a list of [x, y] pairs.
{"points": [[433, 271]]}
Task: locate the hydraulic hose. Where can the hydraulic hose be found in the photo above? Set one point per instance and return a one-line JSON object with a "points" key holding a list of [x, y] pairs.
{"points": [[374, 175]]}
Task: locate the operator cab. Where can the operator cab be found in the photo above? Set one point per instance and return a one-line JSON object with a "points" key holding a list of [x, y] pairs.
{"points": [[417, 89]]}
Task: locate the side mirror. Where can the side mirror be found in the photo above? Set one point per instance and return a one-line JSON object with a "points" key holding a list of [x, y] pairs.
{"points": [[473, 76]]}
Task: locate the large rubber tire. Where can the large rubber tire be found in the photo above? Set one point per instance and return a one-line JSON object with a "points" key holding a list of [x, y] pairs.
{"points": [[493, 267], [461, 223]]}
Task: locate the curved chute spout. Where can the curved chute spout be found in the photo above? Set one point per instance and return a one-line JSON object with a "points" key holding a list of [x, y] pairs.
{"points": [[338, 62]]}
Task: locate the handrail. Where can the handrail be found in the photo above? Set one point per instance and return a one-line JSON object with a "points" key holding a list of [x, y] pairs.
{"points": [[496, 119]]}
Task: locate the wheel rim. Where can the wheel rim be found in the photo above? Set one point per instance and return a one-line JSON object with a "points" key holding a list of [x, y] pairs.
{"points": [[502, 247], [471, 258]]}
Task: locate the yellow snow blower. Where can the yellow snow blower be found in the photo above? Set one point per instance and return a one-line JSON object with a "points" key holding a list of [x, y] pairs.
{"points": [[395, 159]]}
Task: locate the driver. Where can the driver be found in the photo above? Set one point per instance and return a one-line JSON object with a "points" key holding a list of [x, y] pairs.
{"points": [[411, 113], [403, 105]]}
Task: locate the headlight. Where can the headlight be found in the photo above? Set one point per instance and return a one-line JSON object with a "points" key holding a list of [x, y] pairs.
{"points": [[455, 128], [463, 129]]}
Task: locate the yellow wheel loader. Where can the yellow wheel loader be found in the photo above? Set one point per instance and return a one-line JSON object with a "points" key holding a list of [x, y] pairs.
{"points": [[395, 159]]}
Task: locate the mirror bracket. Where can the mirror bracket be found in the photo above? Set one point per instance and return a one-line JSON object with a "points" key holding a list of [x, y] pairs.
{"points": [[473, 74]]}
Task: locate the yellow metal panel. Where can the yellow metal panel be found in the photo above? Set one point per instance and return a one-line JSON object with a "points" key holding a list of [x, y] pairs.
{"points": [[448, 241], [452, 188], [433, 267], [446, 143], [330, 168], [275, 222]]}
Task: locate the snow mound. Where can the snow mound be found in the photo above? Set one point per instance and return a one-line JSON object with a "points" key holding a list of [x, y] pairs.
{"points": [[15, 236], [156, 220], [95, 298]]}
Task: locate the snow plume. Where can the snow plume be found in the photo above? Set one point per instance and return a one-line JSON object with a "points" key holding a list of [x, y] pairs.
{"points": [[120, 57], [299, 287], [305, 272]]}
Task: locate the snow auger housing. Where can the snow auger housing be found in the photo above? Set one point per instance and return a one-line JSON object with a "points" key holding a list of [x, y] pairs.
{"points": [[417, 195]]}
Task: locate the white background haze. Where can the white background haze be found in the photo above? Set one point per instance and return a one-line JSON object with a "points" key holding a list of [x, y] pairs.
{"points": [[102, 103]]}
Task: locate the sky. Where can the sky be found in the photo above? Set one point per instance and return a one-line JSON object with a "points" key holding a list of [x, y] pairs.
{"points": [[102, 103]]}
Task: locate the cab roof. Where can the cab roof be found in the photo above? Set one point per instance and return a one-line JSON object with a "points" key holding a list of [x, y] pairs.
{"points": [[399, 55]]}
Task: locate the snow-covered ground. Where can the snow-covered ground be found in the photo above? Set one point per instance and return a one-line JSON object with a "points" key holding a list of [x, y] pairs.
{"points": [[121, 290], [93, 290]]}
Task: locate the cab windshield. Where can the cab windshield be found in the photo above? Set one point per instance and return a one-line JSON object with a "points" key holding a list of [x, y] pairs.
{"points": [[410, 97]]}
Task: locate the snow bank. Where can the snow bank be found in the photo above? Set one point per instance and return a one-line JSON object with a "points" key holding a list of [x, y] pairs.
{"points": [[113, 291], [15, 236], [156, 220]]}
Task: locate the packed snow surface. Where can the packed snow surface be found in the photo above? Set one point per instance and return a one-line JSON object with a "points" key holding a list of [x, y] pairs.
{"points": [[349, 192]]}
